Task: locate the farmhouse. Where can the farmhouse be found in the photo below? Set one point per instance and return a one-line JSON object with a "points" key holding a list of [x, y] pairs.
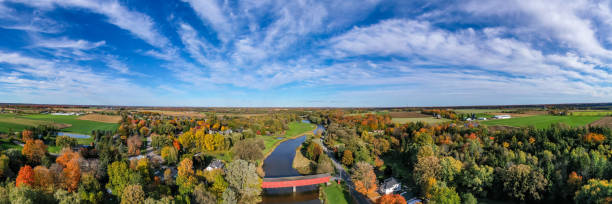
{"points": [[502, 117], [390, 185], [215, 164]]}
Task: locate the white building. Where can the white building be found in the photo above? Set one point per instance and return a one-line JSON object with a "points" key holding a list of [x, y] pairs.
{"points": [[215, 164], [390, 185], [502, 117]]}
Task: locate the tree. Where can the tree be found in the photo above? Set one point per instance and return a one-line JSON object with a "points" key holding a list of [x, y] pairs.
{"points": [[34, 150], [476, 178], [391, 199], [72, 170], [444, 195], [4, 165], [364, 178], [134, 144], [43, 179], [27, 135], [118, 177], [468, 198], [65, 141], [169, 154], [65, 197], [347, 157], [595, 191], [313, 150], [90, 189], [324, 165], [425, 168], [25, 195], [249, 149], [25, 176], [242, 176], [201, 196], [229, 196], [449, 169], [132, 194], [521, 182], [185, 178], [187, 140], [160, 141]]}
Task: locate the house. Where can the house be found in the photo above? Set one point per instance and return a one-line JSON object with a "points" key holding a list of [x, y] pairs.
{"points": [[390, 185], [482, 118], [414, 201], [502, 117], [215, 164]]}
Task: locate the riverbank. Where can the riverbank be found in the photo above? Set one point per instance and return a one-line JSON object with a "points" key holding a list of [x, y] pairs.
{"points": [[302, 164], [289, 135]]}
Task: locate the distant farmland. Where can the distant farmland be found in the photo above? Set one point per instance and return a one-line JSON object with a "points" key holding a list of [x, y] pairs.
{"points": [[544, 121], [67, 123], [429, 120]]}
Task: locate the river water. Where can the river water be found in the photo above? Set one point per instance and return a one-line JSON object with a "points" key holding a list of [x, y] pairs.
{"points": [[279, 164]]}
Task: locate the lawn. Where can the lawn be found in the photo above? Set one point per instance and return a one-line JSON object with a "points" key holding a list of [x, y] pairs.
{"points": [[336, 194], [11, 127], [429, 120], [7, 144], [77, 126], [544, 121]]}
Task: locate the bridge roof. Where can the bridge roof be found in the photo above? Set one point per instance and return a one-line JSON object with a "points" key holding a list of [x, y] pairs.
{"points": [[295, 181]]}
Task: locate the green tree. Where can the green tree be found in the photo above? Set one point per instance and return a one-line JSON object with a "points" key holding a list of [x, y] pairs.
{"points": [[521, 182], [449, 169], [242, 176], [64, 197], [249, 149], [65, 141], [169, 154], [476, 179], [90, 189], [444, 195], [229, 196], [324, 165], [118, 177], [201, 196], [468, 198]]}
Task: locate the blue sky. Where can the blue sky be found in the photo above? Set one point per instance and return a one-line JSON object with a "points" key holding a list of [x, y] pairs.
{"points": [[305, 53]]}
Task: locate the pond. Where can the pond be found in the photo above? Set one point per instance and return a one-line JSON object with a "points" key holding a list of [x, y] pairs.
{"points": [[73, 135]]}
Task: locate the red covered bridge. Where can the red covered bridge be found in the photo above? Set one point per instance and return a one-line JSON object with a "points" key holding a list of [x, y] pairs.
{"points": [[294, 181]]}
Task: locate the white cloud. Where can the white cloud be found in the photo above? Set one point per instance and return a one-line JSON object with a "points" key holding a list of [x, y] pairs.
{"points": [[68, 43], [209, 11]]}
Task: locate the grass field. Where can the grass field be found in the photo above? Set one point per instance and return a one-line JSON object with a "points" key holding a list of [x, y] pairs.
{"points": [[480, 110], [334, 193], [7, 144], [544, 121], [429, 120], [101, 118], [14, 122], [295, 129], [592, 113]]}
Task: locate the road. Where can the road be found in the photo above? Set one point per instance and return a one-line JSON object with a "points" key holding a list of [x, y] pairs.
{"points": [[360, 198]]}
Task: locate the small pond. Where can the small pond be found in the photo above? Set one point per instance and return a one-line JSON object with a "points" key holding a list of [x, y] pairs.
{"points": [[73, 135]]}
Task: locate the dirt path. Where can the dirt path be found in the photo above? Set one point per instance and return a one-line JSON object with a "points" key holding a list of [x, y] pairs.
{"points": [[604, 122]]}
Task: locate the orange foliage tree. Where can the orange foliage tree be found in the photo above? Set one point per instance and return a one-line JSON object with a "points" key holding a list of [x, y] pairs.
{"points": [[72, 172], [347, 157], [391, 199], [134, 144], [25, 176], [364, 178], [34, 150], [43, 179], [27, 135], [594, 138]]}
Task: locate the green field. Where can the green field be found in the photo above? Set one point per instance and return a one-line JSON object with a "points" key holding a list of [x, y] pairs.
{"points": [[7, 144], [429, 120], [334, 193], [592, 113], [544, 121], [20, 122]]}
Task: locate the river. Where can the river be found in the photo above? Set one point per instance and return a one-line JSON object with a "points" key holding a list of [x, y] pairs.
{"points": [[280, 164]]}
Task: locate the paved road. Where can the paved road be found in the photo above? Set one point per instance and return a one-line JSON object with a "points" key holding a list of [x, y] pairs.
{"points": [[360, 198]]}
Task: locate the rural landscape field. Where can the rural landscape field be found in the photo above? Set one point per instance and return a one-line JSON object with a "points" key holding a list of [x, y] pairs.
{"points": [[305, 102]]}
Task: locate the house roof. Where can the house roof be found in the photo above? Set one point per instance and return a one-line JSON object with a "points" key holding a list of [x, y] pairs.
{"points": [[389, 183], [216, 164]]}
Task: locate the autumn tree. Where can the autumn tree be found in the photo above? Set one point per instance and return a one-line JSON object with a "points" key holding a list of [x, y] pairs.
{"points": [[25, 176], [595, 191], [449, 169], [90, 189], [134, 144], [71, 173], [347, 157], [242, 176], [133, 194], [27, 135], [34, 150], [425, 168], [364, 178], [185, 178], [324, 165], [4, 165], [391, 199], [201, 196], [118, 177], [43, 179]]}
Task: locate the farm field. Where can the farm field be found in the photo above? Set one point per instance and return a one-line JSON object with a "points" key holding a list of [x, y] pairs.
{"points": [[101, 118], [592, 113], [481, 110], [544, 121], [429, 120], [66, 123]]}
